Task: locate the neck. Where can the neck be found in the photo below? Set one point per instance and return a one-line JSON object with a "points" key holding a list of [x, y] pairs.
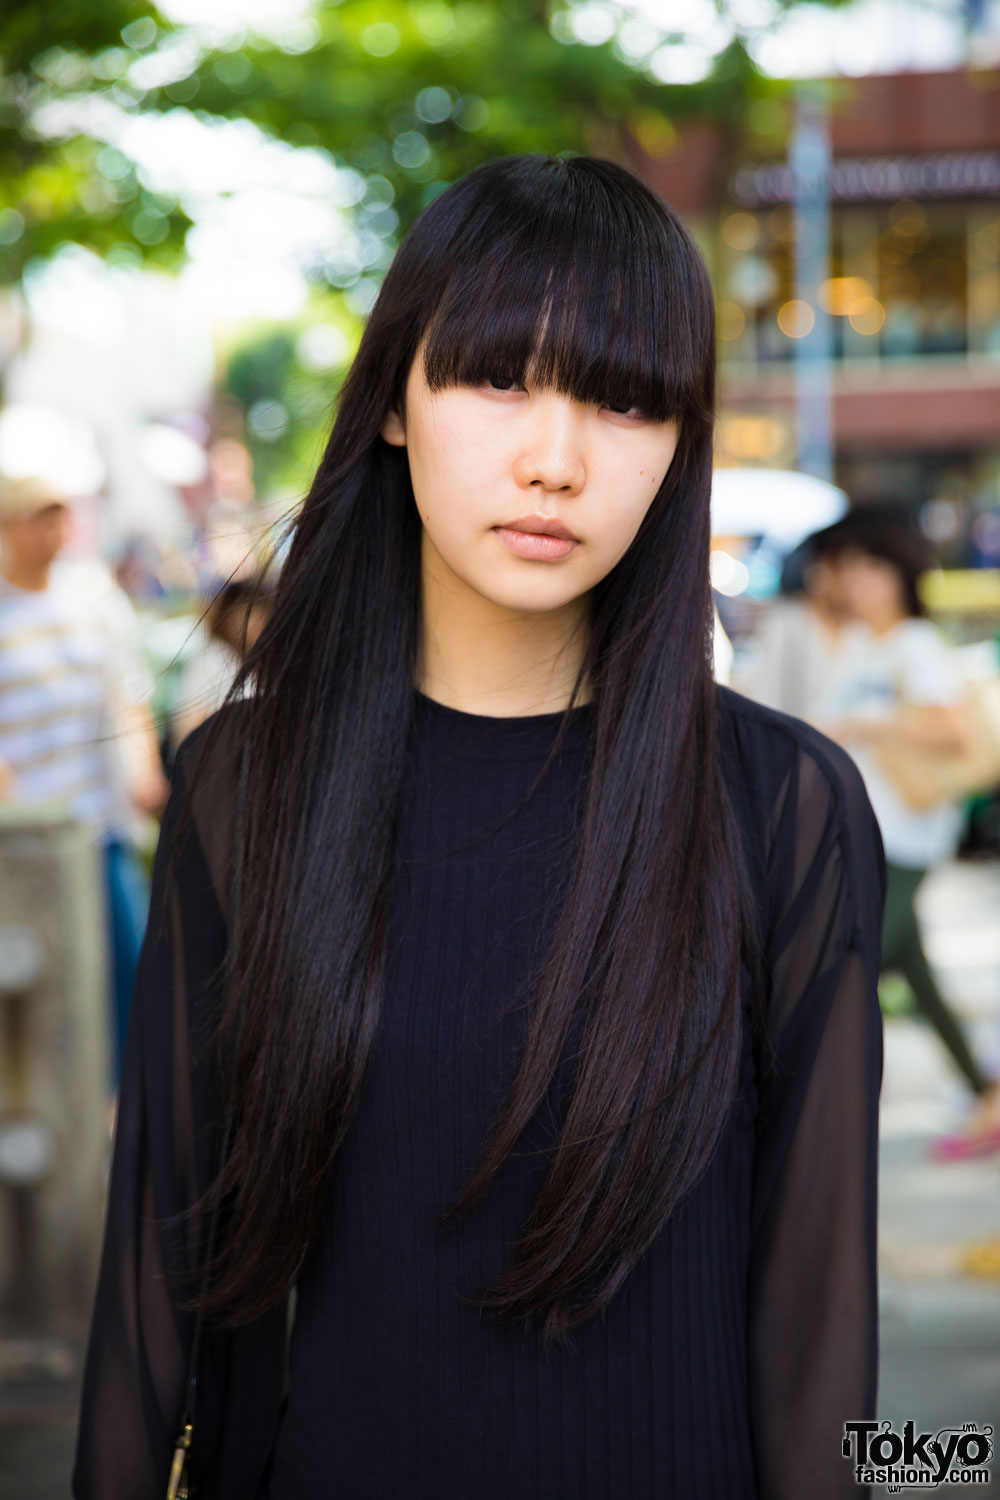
{"points": [[24, 575], [882, 621], [480, 657]]}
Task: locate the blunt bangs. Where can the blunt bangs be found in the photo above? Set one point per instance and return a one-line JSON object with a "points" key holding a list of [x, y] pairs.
{"points": [[580, 278]]}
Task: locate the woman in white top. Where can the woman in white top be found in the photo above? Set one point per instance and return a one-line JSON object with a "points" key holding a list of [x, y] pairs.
{"points": [[896, 685], [802, 632]]}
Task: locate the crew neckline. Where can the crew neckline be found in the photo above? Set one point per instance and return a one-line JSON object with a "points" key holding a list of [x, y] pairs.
{"points": [[552, 717], [489, 736]]}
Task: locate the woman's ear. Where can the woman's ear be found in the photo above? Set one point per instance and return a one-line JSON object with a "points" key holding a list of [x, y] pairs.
{"points": [[393, 430]]}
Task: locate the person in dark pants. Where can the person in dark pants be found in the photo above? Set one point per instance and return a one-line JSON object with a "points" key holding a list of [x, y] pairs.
{"points": [[897, 687], [903, 951], [127, 890]]}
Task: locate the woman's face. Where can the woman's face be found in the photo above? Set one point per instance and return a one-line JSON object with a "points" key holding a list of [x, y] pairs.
{"points": [[871, 587], [824, 584], [484, 460]]}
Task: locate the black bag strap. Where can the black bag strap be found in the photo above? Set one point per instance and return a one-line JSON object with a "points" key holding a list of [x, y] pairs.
{"points": [[186, 1427]]}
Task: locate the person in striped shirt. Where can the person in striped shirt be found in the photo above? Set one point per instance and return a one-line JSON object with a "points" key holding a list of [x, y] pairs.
{"points": [[75, 730]]}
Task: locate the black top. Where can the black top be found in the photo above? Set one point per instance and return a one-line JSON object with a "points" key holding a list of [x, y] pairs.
{"points": [[745, 1338]]}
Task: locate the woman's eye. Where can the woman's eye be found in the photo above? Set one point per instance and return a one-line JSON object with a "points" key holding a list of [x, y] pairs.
{"points": [[499, 384], [625, 411]]}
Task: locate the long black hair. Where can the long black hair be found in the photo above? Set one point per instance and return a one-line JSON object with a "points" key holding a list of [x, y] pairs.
{"points": [[574, 268]]}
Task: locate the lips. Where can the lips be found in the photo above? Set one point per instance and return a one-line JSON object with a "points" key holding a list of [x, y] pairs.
{"points": [[540, 526], [535, 546]]}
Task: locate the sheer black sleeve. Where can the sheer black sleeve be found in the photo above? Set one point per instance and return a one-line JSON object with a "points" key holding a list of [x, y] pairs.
{"points": [[165, 1153], [813, 1276], [137, 1354]]}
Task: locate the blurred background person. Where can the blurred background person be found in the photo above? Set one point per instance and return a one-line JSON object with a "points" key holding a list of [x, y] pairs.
{"points": [[74, 727], [896, 700], [802, 632], [230, 626]]}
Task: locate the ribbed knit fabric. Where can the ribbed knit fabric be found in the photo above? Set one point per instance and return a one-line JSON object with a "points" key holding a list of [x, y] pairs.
{"points": [[727, 1364], [399, 1389]]}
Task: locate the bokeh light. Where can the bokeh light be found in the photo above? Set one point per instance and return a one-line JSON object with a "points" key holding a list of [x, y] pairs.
{"points": [[796, 318]]}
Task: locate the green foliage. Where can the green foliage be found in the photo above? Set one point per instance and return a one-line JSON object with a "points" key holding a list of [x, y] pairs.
{"points": [[413, 91], [52, 190], [285, 378]]}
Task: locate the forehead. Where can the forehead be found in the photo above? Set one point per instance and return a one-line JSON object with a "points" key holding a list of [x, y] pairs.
{"points": [[859, 557]]}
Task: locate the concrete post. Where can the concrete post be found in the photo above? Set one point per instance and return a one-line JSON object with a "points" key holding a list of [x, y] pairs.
{"points": [[54, 1073]]}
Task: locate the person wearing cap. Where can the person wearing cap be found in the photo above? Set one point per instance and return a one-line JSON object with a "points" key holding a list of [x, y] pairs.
{"points": [[74, 729]]}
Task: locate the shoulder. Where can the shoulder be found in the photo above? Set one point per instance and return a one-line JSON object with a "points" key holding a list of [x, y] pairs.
{"points": [[79, 587], [919, 637], [205, 789], [214, 746], [929, 665], [763, 748], [208, 764], [803, 809], [917, 628]]}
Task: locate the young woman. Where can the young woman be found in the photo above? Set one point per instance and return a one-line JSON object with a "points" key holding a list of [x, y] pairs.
{"points": [[551, 1050]]}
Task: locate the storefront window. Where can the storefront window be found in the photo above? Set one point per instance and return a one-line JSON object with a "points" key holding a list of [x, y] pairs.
{"points": [[923, 283], [906, 281]]}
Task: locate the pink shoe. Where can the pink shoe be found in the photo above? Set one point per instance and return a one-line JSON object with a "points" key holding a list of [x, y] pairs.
{"points": [[963, 1144]]}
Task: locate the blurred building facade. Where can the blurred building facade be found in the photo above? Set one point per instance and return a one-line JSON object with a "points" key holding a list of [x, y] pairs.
{"points": [[913, 294]]}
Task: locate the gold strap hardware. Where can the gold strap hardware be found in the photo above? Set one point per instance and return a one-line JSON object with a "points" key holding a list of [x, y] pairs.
{"points": [[177, 1489]]}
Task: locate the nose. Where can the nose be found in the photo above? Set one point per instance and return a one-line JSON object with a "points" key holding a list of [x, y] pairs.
{"points": [[552, 452]]}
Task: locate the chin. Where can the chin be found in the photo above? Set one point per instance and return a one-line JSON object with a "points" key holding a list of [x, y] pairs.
{"points": [[531, 601]]}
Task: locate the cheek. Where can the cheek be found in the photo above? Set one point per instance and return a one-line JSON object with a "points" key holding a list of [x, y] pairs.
{"points": [[891, 588], [654, 461], [455, 475], [874, 584], [632, 488]]}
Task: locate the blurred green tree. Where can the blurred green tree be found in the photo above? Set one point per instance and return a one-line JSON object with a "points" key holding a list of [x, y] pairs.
{"points": [[59, 182], [411, 92], [284, 378]]}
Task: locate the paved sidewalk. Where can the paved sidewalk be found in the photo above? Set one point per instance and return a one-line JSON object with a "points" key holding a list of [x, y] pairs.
{"points": [[940, 1329]]}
